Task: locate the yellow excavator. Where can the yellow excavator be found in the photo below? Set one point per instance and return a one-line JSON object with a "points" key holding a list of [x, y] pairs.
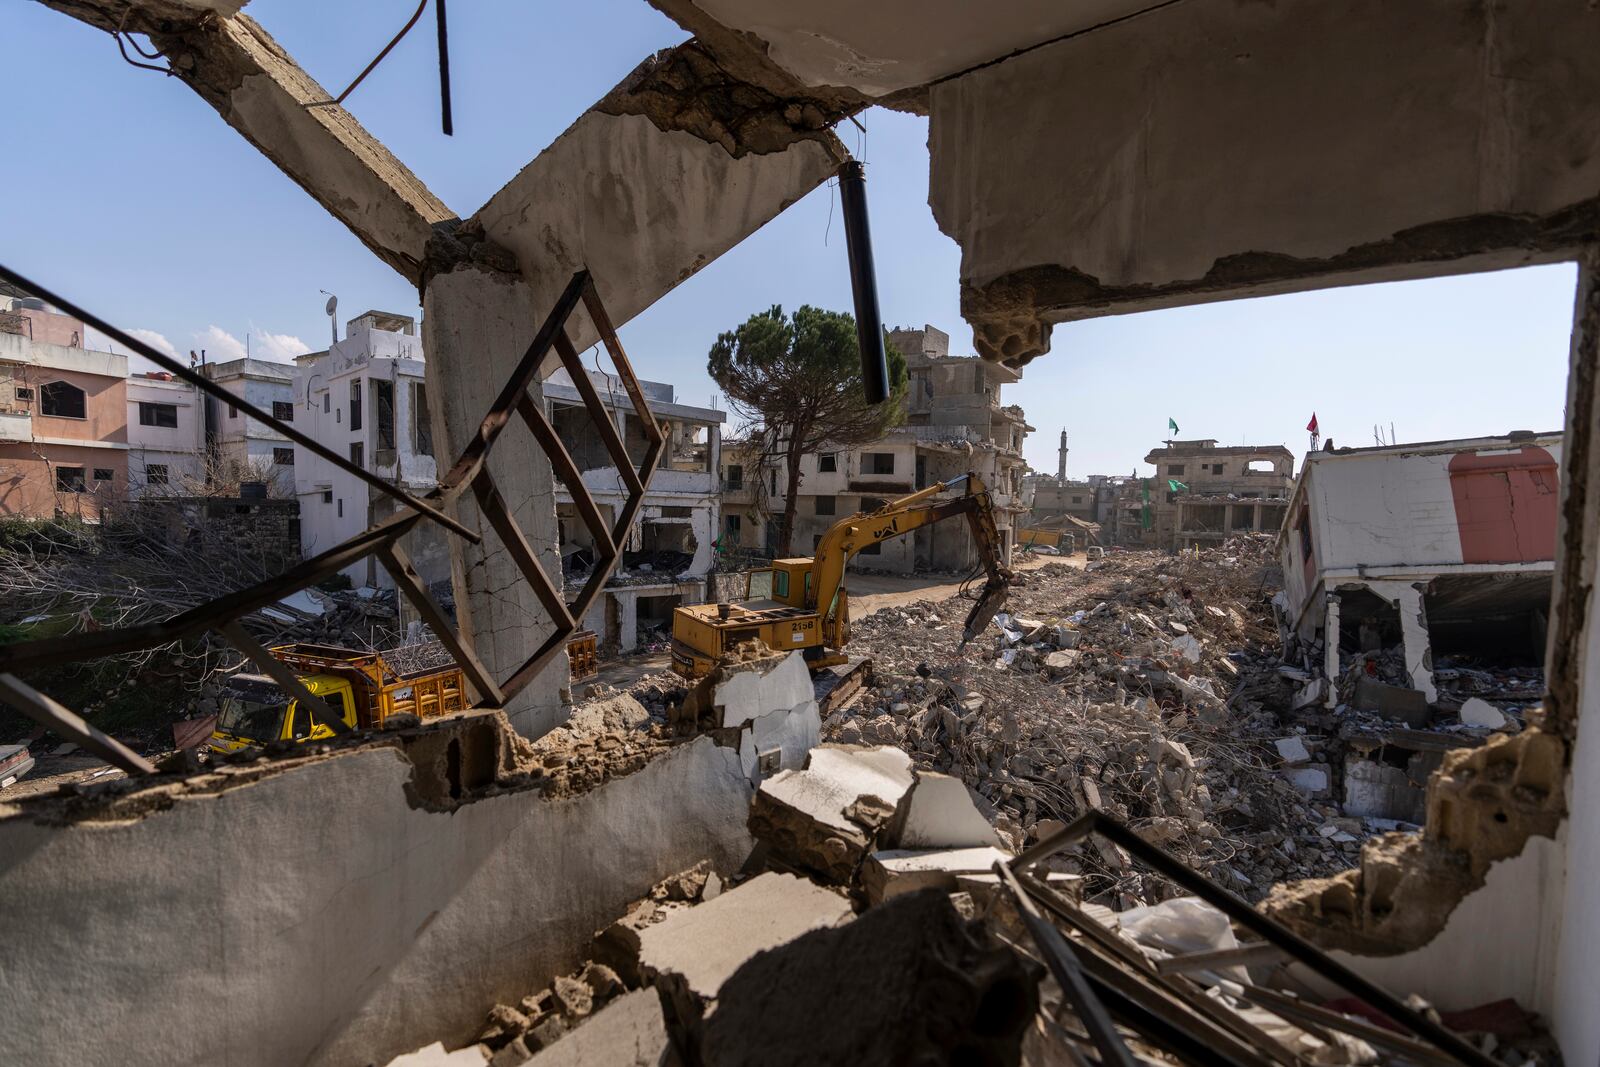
{"points": [[802, 603]]}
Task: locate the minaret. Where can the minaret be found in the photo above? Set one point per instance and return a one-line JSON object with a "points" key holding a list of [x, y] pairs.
{"points": [[1061, 464]]}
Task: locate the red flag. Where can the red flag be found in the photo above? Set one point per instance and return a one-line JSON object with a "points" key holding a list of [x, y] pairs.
{"points": [[1312, 425]]}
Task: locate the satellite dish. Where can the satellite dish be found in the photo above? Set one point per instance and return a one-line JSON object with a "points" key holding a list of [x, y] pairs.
{"points": [[332, 305]]}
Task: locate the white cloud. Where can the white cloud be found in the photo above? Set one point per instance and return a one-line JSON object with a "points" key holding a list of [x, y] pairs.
{"points": [[219, 344], [281, 347], [156, 341]]}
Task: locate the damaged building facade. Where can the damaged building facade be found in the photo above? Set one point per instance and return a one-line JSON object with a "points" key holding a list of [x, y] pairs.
{"points": [[1203, 493], [953, 423], [1417, 583], [366, 397], [670, 551], [1196, 152]]}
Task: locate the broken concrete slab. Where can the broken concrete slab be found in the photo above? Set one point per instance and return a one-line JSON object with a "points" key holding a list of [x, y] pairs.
{"points": [[1292, 749], [434, 1055], [907, 982], [702, 946], [779, 741], [892, 872], [941, 813], [826, 817], [628, 1032], [750, 692], [1478, 712], [1312, 780]]}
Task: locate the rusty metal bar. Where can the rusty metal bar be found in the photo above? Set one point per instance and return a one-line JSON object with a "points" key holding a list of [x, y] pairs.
{"points": [[466, 468], [516, 545], [212, 389], [1238, 911], [1063, 963], [47, 713], [304, 698], [602, 421], [1255, 954], [1311, 1016], [566, 470], [619, 358], [406, 579]]}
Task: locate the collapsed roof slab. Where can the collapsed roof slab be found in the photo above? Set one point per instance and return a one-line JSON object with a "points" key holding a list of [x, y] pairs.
{"points": [[1204, 151]]}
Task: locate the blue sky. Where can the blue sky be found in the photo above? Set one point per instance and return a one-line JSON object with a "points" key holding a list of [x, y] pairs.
{"points": [[134, 197]]}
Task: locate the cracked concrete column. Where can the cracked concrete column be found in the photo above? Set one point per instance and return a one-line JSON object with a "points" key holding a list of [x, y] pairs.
{"points": [[477, 323]]}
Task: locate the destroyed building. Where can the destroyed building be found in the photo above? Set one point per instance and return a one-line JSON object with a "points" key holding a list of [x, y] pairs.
{"points": [[1203, 493], [669, 552], [1089, 161], [954, 423], [365, 397], [1417, 585]]}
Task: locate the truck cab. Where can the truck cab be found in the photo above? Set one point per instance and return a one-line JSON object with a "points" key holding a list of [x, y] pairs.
{"points": [[255, 710]]}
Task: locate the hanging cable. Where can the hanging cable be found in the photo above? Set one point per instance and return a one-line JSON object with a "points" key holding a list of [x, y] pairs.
{"points": [[444, 70]]}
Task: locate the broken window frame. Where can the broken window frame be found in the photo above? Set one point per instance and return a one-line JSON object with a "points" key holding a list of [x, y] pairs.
{"points": [[283, 457], [152, 413], [283, 410], [872, 462], [827, 463]]}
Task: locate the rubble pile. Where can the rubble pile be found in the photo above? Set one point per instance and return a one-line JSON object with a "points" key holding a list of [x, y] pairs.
{"points": [[609, 737], [1147, 686], [873, 924]]}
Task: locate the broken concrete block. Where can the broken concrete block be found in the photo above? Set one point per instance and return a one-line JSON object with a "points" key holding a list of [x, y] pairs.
{"points": [[1293, 749], [941, 813], [1478, 712], [700, 947], [1064, 660], [761, 689], [827, 817], [892, 872], [434, 1055], [1311, 780], [627, 1033], [908, 982], [1187, 647]]}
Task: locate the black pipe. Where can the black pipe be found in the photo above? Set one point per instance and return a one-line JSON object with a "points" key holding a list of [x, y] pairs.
{"points": [[864, 282]]}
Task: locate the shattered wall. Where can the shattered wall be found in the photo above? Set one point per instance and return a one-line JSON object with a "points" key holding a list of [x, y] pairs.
{"points": [[332, 910], [1186, 144]]}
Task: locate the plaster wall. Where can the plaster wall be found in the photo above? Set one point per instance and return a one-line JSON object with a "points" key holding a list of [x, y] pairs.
{"points": [[1186, 145], [319, 916]]}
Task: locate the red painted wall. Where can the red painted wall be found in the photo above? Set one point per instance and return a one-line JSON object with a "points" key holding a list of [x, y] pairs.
{"points": [[1505, 505]]}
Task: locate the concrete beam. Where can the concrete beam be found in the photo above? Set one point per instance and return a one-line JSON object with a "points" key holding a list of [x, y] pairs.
{"points": [[668, 171], [237, 68], [1207, 151]]}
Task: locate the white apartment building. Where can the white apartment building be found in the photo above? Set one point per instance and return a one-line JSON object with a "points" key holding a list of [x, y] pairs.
{"points": [[166, 435], [366, 398], [668, 553], [253, 449]]}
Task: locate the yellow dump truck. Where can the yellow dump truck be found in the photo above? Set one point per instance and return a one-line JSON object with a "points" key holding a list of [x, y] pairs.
{"points": [[363, 687]]}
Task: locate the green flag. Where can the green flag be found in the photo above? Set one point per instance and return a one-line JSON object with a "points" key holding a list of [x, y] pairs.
{"points": [[1145, 520], [1175, 486], [1172, 424]]}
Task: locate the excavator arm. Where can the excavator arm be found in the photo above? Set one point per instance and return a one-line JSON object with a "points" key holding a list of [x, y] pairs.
{"points": [[899, 517]]}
